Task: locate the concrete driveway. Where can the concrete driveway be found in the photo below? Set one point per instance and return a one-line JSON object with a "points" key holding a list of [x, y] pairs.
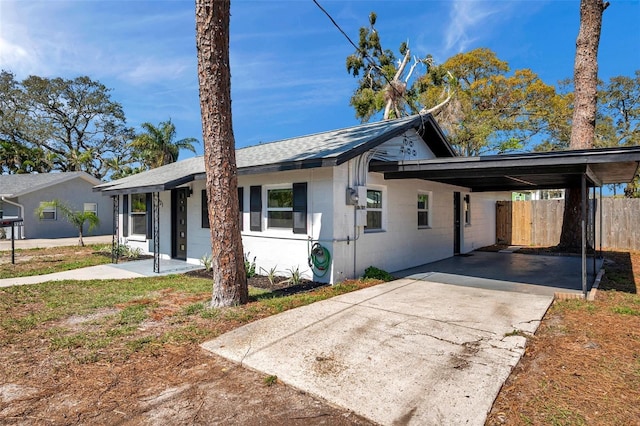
{"points": [[406, 352]]}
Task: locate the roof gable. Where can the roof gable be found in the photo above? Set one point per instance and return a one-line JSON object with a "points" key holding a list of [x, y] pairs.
{"points": [[12, 186]]}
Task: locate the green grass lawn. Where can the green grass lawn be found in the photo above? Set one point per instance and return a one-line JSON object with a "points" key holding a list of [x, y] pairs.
{"points": [[41, 261]]}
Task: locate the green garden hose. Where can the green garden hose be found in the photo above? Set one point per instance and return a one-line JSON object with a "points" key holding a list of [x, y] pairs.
{"points": [[319, 259]]}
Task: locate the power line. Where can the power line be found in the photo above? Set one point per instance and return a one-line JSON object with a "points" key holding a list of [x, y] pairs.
{"points": [[367, 58]]}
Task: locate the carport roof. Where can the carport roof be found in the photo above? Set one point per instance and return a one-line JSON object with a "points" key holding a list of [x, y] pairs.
{"points": [[517, 172]]}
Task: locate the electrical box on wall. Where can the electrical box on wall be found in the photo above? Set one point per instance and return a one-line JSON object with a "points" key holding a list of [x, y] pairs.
{"points": [[357, 196], [362, 196], [352, 197], [361, 217]]}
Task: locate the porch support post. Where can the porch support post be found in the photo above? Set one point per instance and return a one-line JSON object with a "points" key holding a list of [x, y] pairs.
{"points": [[594, 204], [115, 241], [156, 232], [584, 234]]}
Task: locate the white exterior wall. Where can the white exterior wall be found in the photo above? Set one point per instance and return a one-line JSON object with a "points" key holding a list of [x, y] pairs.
{"points": [[401, 244], [330, 221], [139, 241], [481, 231]]}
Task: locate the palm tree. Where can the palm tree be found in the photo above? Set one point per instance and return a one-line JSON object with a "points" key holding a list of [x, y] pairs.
{"points": [[76, 218], [156, 146]]}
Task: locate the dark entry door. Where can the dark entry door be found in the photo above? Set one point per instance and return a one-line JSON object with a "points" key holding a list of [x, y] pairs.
{"points": [[456, 222], [179, 223]]}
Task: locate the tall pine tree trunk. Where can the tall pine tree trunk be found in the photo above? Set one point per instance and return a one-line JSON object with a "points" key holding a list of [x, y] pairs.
{"points": [[212, 41], [584, 111]]}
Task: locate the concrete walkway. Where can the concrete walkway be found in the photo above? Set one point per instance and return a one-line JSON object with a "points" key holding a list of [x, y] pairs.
{"points": [[132, 269], [409, 351], [30, 243]]}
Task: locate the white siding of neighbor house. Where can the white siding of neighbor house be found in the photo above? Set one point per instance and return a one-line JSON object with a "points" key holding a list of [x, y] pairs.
{"points": [[330, 221]]}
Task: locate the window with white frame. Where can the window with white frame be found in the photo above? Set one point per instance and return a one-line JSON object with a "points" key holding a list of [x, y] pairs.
{"points": [[280, 208], [424, 210], [139, 214], [467, 209], [91, 208], [48, 211], [374, 210]]}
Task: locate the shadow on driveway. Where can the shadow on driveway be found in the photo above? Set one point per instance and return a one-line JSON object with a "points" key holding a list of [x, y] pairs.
{"points": [[524, 273]]}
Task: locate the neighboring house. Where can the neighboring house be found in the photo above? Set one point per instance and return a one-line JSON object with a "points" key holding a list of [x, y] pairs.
{"points": [[317, 188], [540, 194], [389, 194], [21, 195]]}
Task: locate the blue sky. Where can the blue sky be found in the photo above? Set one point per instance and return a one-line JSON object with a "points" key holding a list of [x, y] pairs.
{"points": [[287, 59]]}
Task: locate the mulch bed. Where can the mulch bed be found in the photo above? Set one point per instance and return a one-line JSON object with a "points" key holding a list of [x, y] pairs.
{"points": [[279, 287]]}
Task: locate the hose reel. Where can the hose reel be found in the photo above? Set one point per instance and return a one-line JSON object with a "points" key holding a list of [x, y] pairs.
{"points": [[319, 259]]}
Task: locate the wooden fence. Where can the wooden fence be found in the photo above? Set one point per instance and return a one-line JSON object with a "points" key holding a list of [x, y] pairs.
{"points": [[539, 223]]}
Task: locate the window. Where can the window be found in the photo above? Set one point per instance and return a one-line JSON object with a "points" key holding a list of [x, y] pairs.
{"points": [[286, 208], [48, 211], [374, 209], [467, 209], [139, 214], [91, 208], [280, 208], [424, 208]]}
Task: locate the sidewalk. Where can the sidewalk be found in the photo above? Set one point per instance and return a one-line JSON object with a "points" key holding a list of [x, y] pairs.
{"points": [[30, 243], [132, 269]]}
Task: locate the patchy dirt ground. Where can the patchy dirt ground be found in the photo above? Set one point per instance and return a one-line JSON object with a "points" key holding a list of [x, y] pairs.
{"points": [[177, 385], [144, 379], [582, 367]]}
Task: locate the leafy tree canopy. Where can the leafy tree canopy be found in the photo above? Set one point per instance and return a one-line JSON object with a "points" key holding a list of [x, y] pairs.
{"points": [[481, 106], [68, 125]]}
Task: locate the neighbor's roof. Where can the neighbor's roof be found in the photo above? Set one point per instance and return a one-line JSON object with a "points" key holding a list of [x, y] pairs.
{"points": [[12, 186], [317, 150]]}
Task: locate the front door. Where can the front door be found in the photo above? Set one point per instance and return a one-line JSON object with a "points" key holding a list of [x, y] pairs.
{"points": [[179, 223], [456, 223]]}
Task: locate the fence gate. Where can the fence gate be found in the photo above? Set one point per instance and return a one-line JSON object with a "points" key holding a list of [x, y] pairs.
{"points": [[539, 222]]}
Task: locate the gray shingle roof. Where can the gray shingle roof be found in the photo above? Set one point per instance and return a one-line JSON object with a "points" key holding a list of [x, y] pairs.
{"points": [[12, 186], [321, 149]]}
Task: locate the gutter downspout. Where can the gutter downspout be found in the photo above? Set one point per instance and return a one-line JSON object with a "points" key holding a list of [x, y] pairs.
{"points": [[21, 207]]}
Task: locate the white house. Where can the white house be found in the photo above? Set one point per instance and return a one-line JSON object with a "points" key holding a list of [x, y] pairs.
{"points": [[389, 194], [316, 189]]}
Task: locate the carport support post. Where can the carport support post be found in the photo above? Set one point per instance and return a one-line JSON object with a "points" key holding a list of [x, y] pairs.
{"points": [[600, 202], [584, 234], [115, 241]]}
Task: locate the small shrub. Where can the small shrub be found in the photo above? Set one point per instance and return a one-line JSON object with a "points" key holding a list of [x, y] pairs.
{"points": [[122, 251], [250, 266], [271, 274], [295, 276], [374, 273], [206, 260]]}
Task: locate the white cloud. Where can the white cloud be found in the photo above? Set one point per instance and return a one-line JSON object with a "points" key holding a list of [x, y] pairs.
{"points": [[469, 21], [11, 53]]}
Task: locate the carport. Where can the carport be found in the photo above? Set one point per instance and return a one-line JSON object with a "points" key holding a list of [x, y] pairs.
{"points": [[585, 169]]}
